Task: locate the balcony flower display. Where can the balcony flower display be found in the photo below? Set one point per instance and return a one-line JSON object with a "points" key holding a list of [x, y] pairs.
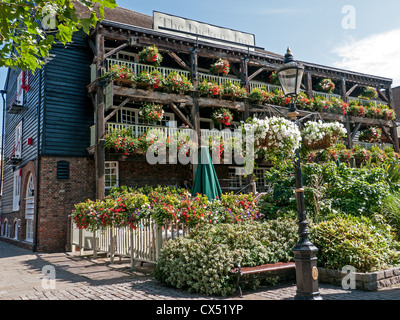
{"points": [[372, 134], [369, 93], [326, 85], [120, 74], [121, 140], [273, 136], [337, 106], [151, 112], [176, 82], [273, 79], [232, 91], [150, 55], [319, 135], [356, 109], [220, 66], [257, 95], [209, 89], [148, 79], [222, 116]]}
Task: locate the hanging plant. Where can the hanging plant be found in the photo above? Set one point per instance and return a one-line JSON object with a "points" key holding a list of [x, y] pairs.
{"points": [[222, 116], [372, 134], [369, 93], [176, 82], [151, 112], [319, 135], [221, 66], [150, 55], [273, 79], [273, 136], [326, 85]]}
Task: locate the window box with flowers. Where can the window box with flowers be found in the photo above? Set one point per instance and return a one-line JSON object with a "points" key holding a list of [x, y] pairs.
{"points": [[209, 89], [319, 135], [148, 80], [121, 140], [121, 75], [257, 95], [231, 91], [150, 55], [151, 112], [326, 85], [220, 66], [177, 83], [222, 116]]}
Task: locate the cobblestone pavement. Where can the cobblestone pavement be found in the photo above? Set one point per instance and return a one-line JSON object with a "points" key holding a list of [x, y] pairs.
{"points": [[84, 278]]}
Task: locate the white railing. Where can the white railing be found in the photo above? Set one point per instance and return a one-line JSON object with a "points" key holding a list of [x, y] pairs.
{"points": [[141, 244], [365, 101]]}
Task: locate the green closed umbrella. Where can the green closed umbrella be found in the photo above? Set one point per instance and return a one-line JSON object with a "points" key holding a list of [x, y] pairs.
{"points": [[206, 180]]}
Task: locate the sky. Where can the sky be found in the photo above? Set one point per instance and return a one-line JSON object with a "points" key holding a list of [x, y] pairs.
{"points": [[357, 35]]}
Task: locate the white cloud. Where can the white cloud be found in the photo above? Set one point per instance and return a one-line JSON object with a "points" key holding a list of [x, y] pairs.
{"points": [[377, 54]]}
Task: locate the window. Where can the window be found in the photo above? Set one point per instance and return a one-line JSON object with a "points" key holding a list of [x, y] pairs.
{"points": [[17, 190], [20, 92], [18, 141], [111, 174], [29, 208]]}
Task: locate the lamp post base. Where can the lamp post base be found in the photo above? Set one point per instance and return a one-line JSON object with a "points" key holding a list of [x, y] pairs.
{"points": [[305, 257]]}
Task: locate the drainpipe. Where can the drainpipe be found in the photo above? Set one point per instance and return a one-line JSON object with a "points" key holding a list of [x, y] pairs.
{"points": [[3, 92], [36, 220]]}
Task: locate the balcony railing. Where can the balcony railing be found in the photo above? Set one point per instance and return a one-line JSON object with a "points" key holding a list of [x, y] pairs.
{"points": [[140, 129], [138, 67]]}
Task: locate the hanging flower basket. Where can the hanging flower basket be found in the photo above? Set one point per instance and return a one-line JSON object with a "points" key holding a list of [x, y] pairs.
{"points": [[318, 135], [222, 116], [151, 112], [372, 134], [369, 93], [326, 85], [221, 66], [150, 55]]}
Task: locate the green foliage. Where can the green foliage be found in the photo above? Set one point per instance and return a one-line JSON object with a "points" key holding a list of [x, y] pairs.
{"points": [[366, 244], [201, 262], [23, 41]]}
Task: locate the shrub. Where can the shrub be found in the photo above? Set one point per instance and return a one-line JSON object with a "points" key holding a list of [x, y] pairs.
{"points": [[363, 243], [201, 262]]}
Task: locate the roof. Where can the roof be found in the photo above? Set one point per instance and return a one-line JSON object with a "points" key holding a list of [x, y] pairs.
{"points": [[119, 14]]}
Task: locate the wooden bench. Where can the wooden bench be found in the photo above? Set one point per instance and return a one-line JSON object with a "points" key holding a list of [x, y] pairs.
{"points": [[239, 271]]}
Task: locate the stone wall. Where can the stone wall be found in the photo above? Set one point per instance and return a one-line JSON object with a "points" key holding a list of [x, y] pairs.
{"points": [[364, 281]]}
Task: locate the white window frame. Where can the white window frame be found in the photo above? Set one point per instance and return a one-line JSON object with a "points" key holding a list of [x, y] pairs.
{"points": [[108, 167], [131, 116], [29, 230], [17, 190], [18, 141], [20, 92]]}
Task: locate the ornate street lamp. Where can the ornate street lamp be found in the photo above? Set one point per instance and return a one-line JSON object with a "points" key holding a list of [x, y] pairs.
{"points": [[305, 253]]}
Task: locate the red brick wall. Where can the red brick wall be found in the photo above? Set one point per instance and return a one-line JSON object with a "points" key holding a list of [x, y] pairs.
{"points": [[57, 199]]}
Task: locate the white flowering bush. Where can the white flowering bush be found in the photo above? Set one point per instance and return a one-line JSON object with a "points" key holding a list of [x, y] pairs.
{"points": [[273, 136], [201, 262], [320, 135]]}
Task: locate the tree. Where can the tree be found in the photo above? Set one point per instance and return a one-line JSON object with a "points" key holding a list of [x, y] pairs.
{"points": [[28, 28]]}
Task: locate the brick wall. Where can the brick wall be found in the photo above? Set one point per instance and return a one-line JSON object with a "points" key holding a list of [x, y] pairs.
{"points": [[57, 199]]}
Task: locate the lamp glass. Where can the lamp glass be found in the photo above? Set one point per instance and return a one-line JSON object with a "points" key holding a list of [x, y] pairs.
{"points": [[290, 80]]}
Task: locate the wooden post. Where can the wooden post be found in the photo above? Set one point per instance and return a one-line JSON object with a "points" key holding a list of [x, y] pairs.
{"points": [[194, 74], [309, 85], [100, 123], [389, 95], [244, 77]]}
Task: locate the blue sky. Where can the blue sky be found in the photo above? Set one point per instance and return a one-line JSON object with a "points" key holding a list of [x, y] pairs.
{"points": [[317, 31]]}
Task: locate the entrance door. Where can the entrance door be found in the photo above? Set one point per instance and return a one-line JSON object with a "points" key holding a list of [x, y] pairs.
{"points": [[29, 208]]}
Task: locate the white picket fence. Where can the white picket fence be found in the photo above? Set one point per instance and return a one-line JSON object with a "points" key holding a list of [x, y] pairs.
{"points": [[142, 244]]}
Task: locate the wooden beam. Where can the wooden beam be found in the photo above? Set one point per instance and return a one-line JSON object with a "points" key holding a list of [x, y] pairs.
{"points": [[181, 115], [255, 73], [382, 95], [386, 133], [351, 90], [110, 53], [178, 60], [122, 104]]}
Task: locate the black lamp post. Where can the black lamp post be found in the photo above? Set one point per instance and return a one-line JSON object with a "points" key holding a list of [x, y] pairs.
{"points": [[305, 253]]}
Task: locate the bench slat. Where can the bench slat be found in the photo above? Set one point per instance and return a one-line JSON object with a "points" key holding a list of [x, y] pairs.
{"points": [[266, 267]]}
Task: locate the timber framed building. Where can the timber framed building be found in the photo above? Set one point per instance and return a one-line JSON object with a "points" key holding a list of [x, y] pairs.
{"points": [[56, 119]]}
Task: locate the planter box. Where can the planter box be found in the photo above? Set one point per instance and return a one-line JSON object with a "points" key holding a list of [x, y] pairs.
{"points": [[372, 281]]}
